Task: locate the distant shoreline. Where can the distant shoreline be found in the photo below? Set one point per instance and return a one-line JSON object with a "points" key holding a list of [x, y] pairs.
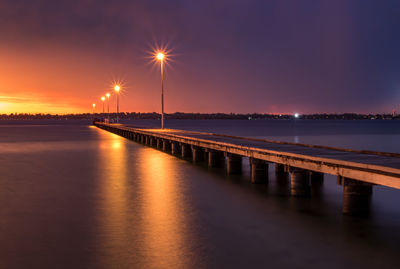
{"points": [[201, 116]]}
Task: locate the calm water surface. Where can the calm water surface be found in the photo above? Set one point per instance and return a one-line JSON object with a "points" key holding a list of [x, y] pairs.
{"points": [[74, 196]]}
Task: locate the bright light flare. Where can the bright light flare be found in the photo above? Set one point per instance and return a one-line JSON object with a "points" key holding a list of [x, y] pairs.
{"points": [[108, 95], [160, 53], [103, 98], [94, 105], [118, 87], [296, 115], [160, 56]]}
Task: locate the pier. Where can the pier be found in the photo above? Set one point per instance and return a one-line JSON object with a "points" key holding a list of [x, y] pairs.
{"points": [[304, 165]]}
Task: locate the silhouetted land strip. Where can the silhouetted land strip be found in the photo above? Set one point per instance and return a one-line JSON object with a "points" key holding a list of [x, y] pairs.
{"points": [[200, 116]]}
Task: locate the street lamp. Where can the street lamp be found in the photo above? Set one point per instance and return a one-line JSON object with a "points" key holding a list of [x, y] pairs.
{"points": [[160, 56], [117, 88], [94, 106], [103, 99]]}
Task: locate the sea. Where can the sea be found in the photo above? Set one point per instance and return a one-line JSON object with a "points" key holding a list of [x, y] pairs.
{"points": [[75, 196]]}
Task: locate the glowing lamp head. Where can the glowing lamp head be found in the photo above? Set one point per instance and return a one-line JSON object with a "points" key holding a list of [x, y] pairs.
{"points": [[94, 105], [108, 95], [160, 56], [103, 98], [117, 88], [296, 115]]}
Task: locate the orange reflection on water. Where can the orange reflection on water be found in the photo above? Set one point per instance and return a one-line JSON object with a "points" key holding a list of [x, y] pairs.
{"points": [[162, 210], [142, 219], [114, 203]]}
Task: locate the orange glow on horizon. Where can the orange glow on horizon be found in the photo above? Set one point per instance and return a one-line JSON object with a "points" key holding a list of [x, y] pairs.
{"points": [[33, 104]]}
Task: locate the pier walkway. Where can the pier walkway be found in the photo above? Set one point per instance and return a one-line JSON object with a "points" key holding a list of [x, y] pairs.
{"points": [[356, 170]]}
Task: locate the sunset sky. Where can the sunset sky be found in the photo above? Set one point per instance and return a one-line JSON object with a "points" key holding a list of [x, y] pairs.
{"points": [[276, 56]]}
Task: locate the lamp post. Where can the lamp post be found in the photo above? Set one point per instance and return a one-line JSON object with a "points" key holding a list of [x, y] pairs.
{"points": [[117, 88], [108, 102], [160, 57], [108, 106], [94, 107], [103, 99]]}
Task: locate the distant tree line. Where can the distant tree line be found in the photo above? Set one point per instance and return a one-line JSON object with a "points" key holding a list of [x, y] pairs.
{"points": [[200, 116]]}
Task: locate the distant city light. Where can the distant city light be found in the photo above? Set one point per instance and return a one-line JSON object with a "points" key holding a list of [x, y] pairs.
{"points": [[296, 115]]}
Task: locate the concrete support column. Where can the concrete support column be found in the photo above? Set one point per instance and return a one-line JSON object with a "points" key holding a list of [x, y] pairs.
{"points": [[215, 158], [299, 182], [175, 149], [280, 169], [185, 151], [233, 164], [281, 174], [356, 197], [316, 178], [317, 182], [197, 154], [259, 171], [159, 144], [166, 146]]}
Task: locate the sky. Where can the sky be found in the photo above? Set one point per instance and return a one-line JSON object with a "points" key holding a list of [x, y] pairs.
{"points": [[275, 56]]}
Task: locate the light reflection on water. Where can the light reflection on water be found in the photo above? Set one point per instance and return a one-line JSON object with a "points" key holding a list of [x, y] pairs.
{"points": [[162, 217], [36, 147], [113, 203], [142, 211]]}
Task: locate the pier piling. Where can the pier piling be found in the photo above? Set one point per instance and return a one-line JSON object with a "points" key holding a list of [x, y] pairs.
{"points": [[175, 149], [356, 197], [299, 182], [259, 171], [159, 144], [166, 146], [233, 164], [215, 158], [197, 154], [186, 151]]}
